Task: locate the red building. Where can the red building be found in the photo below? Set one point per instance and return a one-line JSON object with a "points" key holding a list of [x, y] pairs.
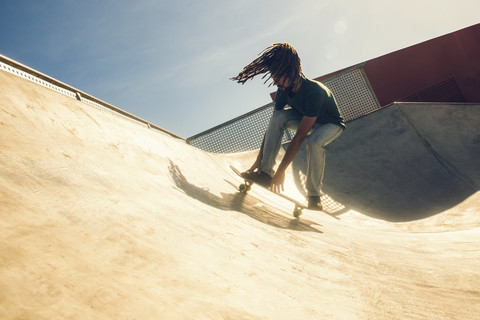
{"points": [[444, 69]]}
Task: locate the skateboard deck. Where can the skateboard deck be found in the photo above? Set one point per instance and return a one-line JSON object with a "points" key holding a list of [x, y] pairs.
{"points": [[245, 187]]}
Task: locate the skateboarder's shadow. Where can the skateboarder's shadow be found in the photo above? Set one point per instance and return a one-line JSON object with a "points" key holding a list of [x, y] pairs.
{"points": [[241, 202]]}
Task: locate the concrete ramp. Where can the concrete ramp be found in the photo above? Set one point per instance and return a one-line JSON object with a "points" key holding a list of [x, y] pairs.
{"points": [[408, 161], [102, 217]]}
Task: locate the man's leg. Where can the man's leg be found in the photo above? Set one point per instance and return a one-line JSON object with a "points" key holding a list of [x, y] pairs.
{"points": [[316, 141], [280, 121]]}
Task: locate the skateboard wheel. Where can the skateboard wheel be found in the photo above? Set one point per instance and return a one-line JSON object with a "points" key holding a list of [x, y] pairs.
{"points": [[243, 188], [297, 213]]}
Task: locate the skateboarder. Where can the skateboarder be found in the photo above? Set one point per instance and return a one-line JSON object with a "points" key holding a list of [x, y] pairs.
{"points": [[301, 104]]}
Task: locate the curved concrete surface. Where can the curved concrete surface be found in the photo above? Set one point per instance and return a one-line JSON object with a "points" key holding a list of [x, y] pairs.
{"points": [[408, 161], [103, 218]]}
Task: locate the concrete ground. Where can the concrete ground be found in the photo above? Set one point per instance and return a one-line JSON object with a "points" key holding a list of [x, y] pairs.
{"points": [[104, 218]]}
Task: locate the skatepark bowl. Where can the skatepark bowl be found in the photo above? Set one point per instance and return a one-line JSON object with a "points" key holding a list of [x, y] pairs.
{"points": [[103, 217]]}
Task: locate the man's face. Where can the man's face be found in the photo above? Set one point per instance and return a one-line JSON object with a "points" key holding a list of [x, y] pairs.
{"points": [[282, 82]]}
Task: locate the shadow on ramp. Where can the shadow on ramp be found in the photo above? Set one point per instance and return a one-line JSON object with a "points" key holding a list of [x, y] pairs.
{"points": [[407, 161], [240, 202]]}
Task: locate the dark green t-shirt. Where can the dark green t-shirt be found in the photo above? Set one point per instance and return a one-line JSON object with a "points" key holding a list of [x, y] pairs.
{"points": [[313, 99]]}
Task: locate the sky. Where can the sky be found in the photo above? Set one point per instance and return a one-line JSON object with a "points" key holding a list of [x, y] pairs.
{"points": [[169, 61]]}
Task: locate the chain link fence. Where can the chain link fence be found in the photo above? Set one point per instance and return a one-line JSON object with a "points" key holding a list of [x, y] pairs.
{"points": [[351, 89]]}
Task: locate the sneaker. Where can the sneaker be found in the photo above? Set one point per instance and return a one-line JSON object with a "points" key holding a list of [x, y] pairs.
{"points": [[314, 203], [262, 179]]}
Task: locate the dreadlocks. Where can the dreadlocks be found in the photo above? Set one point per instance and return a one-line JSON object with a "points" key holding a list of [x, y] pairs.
{"points": [[278, 60]]}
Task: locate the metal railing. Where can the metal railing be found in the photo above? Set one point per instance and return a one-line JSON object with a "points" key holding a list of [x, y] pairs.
{"points": [[351, 89], [30, 74]]}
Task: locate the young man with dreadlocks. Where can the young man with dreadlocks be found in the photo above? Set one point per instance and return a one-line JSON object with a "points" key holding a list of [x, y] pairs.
{"points": [[301, 104]]}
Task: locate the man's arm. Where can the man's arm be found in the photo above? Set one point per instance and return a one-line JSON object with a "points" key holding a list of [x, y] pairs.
{"points": [[304, 127], [258, 161]]}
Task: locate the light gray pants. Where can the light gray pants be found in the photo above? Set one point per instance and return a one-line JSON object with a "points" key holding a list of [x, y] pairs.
{"points": [[310, 159]]}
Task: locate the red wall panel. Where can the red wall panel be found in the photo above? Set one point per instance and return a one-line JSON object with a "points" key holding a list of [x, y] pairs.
{"points": [[409, 71]]}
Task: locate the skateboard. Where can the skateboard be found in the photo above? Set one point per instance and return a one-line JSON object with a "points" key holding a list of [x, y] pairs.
{"points": [[245, 187]]}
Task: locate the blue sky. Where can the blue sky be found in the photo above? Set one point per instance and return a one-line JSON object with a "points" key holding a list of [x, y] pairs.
{"points": [[169, 61]]}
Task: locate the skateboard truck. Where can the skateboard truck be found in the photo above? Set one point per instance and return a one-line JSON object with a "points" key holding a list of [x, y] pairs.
{"points": [[245, 187]]}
